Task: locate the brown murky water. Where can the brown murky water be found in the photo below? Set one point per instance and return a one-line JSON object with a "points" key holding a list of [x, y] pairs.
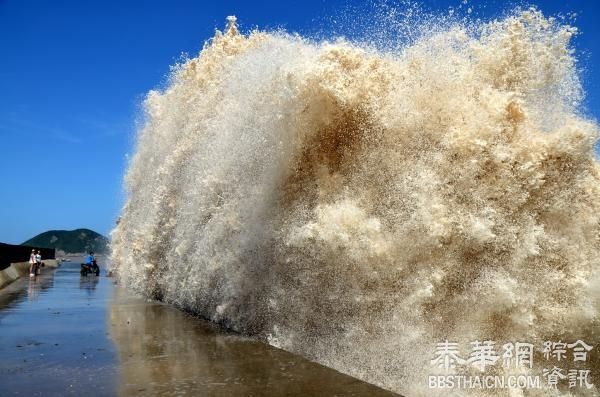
{"points": [[62, 334]]}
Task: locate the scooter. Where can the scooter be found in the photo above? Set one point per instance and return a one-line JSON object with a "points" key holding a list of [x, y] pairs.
{"points": [[86, 269]]}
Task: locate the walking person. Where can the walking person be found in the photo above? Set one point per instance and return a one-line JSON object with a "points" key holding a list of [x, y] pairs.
{"points": [[32, 263], [38, 262]]}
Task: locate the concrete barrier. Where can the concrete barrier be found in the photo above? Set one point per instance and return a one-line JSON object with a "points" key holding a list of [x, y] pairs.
{"points": [[20, 269], [10, 253]]}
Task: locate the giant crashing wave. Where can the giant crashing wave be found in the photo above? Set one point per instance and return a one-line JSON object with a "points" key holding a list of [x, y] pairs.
{"points": [[357, 206]]}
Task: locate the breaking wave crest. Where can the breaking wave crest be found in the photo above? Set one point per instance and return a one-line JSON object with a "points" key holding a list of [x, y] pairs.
{"points": [[357, 206]]}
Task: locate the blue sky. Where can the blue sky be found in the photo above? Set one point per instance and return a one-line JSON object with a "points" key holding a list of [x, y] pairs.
{"points": [[73, 73]]}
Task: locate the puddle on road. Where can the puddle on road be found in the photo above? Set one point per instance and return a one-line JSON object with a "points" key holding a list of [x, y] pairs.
{"points": [[162, 350], [53, 336], [62, 334]]}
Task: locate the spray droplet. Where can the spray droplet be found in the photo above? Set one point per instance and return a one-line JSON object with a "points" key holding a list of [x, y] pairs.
{"points": [[231, 28]]}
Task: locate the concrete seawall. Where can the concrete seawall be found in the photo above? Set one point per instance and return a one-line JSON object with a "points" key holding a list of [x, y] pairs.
{"points": [[10, 253], [20, 269]]}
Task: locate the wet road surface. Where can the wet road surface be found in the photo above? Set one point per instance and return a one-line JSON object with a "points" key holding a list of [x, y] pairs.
{"points": [[63, 334]]}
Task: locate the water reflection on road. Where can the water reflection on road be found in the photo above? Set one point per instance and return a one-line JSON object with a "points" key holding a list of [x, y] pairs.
{"points": [[53, 336], [63, 334], [163, 350]]}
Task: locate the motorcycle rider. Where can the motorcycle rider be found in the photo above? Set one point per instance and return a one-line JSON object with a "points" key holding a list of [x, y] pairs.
{"points": [[89, 260]]}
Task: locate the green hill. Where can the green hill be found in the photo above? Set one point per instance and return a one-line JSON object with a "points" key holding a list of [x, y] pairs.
{"points": [[70, 241]]}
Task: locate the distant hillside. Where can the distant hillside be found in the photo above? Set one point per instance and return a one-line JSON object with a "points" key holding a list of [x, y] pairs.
{"points": [[70, 241]]}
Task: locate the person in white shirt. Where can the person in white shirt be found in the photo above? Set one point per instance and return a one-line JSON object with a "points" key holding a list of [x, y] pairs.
{"points": [[32, 262]]}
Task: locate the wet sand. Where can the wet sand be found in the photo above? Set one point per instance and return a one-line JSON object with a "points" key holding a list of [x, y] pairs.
{"points": [[62, 334]]}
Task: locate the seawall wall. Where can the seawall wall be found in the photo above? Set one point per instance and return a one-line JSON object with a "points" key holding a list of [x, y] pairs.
{"points": [[19, 269]]}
